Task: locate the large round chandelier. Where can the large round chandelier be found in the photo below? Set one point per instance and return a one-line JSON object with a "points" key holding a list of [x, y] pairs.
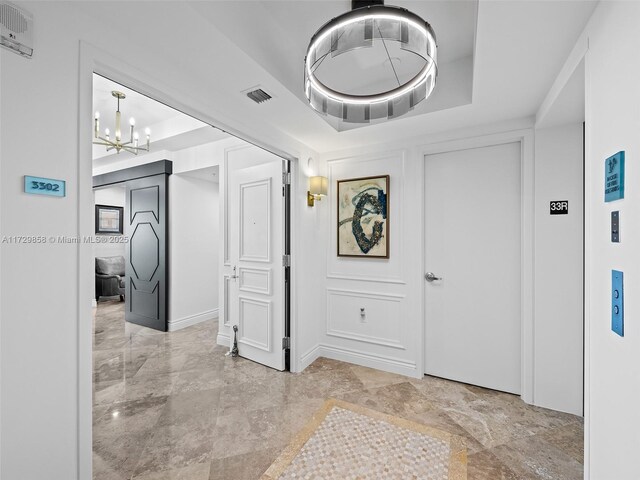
{"points": [[373, 62]]}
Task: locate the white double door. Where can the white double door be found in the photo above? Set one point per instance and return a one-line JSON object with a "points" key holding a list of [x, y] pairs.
{"points": [[254, 272], [473, 251]]}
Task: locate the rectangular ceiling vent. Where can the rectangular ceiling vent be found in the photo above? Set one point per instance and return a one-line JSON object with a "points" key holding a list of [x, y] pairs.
{"points": [[258, 95], [16, 29]]}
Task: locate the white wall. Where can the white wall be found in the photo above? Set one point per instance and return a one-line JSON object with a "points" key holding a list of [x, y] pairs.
{"points": [[194, 250], [308, 228], [397, 283], [39, 316], [1, 231], [203, 156], [49, 336], [388, 289], [109, 245], [613, 124], [46, 343], [309, 262], [558, 274], [401, 276]]}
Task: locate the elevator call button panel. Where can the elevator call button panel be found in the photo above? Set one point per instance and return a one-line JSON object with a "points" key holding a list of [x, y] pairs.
{"points": [[617, 302]]}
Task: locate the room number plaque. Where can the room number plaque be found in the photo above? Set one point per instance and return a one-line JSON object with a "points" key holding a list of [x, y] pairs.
{"points": [[44, 186]]}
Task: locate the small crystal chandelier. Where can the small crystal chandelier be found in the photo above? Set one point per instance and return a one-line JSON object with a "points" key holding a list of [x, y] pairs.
{"points": [[374, 62], [132, 145]]}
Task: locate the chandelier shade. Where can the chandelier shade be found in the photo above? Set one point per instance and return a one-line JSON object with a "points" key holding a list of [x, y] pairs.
{"points": [[371, 63], [132, 146]]}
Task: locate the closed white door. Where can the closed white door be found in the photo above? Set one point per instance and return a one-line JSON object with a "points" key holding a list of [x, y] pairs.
{"points": [[473, 253], [256, 246]]}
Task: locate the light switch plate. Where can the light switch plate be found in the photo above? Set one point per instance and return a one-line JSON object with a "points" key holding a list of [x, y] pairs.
{"points": [[617, 302]]}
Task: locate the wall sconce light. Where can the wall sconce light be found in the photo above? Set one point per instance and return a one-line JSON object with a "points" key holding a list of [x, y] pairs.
{"points": [[317, 189]]}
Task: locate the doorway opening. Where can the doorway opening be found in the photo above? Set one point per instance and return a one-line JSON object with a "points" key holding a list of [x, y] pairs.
{"points": [[186, 150], [190, 241]]}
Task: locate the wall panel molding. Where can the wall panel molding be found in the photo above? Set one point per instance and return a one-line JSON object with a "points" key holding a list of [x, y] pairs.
{"points": [[391, 163], [362, 278], [335, 329], [266, 304]]}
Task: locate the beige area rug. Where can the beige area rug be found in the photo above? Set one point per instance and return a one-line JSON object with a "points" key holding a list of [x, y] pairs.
{"points": [[348, 442]]}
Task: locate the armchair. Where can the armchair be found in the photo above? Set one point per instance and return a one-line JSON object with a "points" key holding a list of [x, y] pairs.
{"points": [[110, 277]]}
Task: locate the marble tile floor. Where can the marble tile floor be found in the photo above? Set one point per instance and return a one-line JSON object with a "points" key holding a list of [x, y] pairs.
{"points": [[172, 406]]}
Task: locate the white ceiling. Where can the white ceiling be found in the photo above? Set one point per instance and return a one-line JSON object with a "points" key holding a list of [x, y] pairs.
{"points": [[276, 34], [519, 49]]}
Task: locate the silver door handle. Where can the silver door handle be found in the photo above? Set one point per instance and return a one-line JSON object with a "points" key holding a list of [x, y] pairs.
{"points": [[430, 277]]}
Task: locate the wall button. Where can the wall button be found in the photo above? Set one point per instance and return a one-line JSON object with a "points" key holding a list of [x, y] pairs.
{"points": [[617, 302]]}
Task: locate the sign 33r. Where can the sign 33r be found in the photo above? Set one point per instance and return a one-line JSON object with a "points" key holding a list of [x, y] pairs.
{"points": [[559, 207]]}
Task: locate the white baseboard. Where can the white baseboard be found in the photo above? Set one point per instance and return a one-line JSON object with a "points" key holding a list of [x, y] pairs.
{"points": [[223, 339], [192, 320], [94, 303], [379, 362], [308, 358]]}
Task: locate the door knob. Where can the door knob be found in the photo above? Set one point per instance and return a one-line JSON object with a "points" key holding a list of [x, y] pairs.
{"points": [[430, 277]]}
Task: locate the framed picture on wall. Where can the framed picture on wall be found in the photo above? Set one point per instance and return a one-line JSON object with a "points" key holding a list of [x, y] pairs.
{"points": [[363, 217], [109, 219]]}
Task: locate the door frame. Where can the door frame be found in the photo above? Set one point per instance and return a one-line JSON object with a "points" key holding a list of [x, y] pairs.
{"points": [[95, 60], [525, 138]]}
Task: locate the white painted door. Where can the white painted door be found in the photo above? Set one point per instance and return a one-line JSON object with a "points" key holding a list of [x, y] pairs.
{"points": [[472, 236], [256, 286]]}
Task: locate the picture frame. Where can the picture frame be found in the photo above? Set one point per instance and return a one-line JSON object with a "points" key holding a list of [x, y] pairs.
{"points": [[362, 222], [109, 220]]}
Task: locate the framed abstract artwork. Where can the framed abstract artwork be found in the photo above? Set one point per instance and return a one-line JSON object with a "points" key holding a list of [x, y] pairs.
{"points": [[109, 219], [363, 217]]}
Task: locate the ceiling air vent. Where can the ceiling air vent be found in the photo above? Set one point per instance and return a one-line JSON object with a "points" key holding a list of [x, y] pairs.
{"points": [[258, 95]]}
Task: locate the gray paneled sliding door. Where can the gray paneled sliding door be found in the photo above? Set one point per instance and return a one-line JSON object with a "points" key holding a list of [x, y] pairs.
{"points": [[146, 226]]}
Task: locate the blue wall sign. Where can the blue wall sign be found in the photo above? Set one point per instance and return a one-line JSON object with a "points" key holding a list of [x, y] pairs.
{"points": [[617, 302], [614, 177], [44, 186]]}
